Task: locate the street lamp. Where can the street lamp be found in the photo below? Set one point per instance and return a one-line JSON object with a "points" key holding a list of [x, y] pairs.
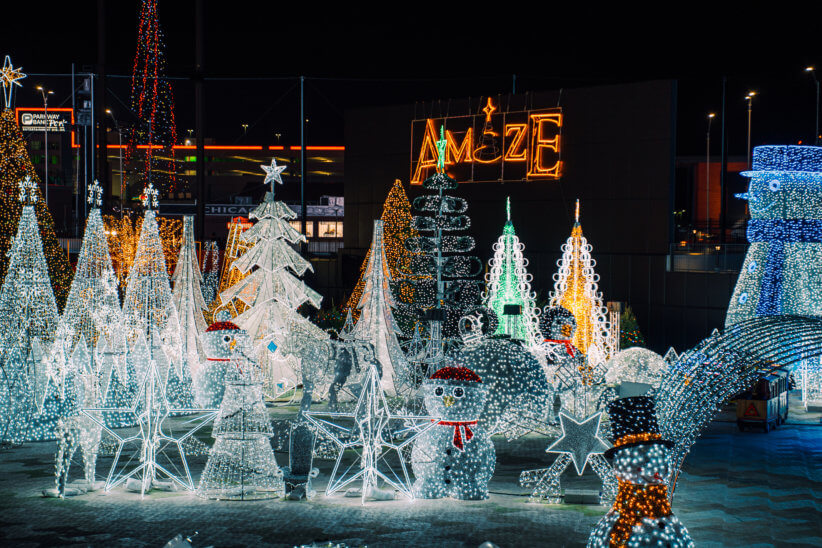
{"points": [[122, 173], [711, 116], [816, 136], [749, 98], [45, 93]]}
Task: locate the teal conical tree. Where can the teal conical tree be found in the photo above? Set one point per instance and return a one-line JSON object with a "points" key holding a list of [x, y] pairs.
{"points": [[508, 287]]}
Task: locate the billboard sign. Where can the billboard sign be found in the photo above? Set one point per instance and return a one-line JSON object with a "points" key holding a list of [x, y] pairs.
{"points": [[55, 120]]}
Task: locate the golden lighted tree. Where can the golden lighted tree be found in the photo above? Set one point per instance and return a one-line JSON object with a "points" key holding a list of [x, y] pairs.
{"points": [[576, 289], [124, 233], [396, 219]]}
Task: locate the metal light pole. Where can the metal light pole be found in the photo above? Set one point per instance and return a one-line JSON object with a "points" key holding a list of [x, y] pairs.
{"points": [[749, 98], [816, 137], [122, 173], [45, 93], [708, 172]]}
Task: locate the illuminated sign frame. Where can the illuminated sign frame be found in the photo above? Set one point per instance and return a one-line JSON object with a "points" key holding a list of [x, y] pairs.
{"points": [[490, 147]]}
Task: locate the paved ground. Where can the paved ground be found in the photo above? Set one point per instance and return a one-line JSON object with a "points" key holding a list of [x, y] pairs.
{"points": [[737, 489]]}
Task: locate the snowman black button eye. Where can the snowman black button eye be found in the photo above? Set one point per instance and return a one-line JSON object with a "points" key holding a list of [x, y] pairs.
{"points": [[459, 392], [438, 391], [226, 338]]}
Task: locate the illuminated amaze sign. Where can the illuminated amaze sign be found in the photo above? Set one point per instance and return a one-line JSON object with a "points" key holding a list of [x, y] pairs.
{"points": [[492, 146]]}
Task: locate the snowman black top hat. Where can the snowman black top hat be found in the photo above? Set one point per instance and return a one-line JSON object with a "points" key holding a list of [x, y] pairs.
{"points": [[633, 422]]}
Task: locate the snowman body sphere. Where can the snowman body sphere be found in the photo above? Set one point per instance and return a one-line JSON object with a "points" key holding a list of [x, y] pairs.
{"points": [[455, 458], [222, 342], [641, 515]]}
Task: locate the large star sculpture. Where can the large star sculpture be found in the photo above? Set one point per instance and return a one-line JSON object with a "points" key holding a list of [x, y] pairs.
{"points": [[580, 443], [273, 173], [376, 432], [156, 448], [580, 440], [10, 77]]}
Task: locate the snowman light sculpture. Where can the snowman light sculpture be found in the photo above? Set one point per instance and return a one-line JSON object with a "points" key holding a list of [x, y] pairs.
{"points": [[221, 341], [455, 458], [641, 514]]}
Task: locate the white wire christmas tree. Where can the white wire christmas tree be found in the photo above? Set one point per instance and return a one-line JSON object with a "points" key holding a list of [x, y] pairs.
{"points": [[211, 271], [576, 288], [272, 290], [241, 464], [149, 307], [92, 310], [508, 284], [31, 406], [188, 299], [376, 324]]}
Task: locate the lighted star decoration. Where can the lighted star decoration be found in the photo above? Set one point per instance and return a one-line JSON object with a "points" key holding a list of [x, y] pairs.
{"points": [[489, 110], [579, 439], [10, 78], [580, 443], [95, 194], [149, 197], [273, 173], [155, 448], [376, 433], [28, 191]]}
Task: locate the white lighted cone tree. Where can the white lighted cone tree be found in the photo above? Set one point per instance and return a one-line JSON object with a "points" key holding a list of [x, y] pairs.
{"points": [[576, 289], [376, 323], [187, 297], [88, 343], [241, 464], [272, 290], [211, 271], [30, 406], [149, 307], [508, 288]]}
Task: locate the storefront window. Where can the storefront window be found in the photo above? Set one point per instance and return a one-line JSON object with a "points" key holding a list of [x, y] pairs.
{"points": [[309, 227], [331, 229]]}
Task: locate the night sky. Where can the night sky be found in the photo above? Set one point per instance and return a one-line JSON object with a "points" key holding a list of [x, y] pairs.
{"points": [[404, 52]]}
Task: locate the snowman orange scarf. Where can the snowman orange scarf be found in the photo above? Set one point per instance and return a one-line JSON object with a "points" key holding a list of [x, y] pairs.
{"points": [[459, 428]]}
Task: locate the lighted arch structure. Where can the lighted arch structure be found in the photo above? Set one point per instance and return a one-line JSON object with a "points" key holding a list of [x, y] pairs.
{"points": [[706, 376]]}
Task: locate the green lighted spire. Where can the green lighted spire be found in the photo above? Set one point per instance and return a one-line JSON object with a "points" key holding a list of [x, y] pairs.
{"points": [[441, 144], [509, 284]]}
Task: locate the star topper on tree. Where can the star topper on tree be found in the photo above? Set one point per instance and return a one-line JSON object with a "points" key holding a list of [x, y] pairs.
{"points": [[149, 197], [28, 191], [273, 174], [95, 194], [10, 77]]}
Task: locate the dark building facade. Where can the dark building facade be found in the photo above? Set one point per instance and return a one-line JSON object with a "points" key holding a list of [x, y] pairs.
{"points": [[613, 147]]}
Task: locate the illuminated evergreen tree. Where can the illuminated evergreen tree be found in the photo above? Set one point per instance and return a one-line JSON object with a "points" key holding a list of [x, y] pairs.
{"points": [[445, 285], [376, 323], [576, 289], [509, 284], [15, 166], [230, 276], [152, 101], [149, 310], [396, 219], [29, 406], [211, 271], [630, 335], [188, 299], [271, 289]]}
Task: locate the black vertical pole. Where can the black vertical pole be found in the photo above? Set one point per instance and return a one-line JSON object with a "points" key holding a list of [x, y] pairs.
{"points": [[723, 168], [303, 172], [199, 112], [100, 106]]}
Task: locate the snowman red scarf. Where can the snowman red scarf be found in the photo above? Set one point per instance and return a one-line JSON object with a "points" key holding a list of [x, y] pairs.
{"points": [[459, 428]]}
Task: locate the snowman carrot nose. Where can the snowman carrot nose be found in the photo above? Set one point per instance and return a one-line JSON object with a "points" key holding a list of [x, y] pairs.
{"points": [[448, 400]]}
